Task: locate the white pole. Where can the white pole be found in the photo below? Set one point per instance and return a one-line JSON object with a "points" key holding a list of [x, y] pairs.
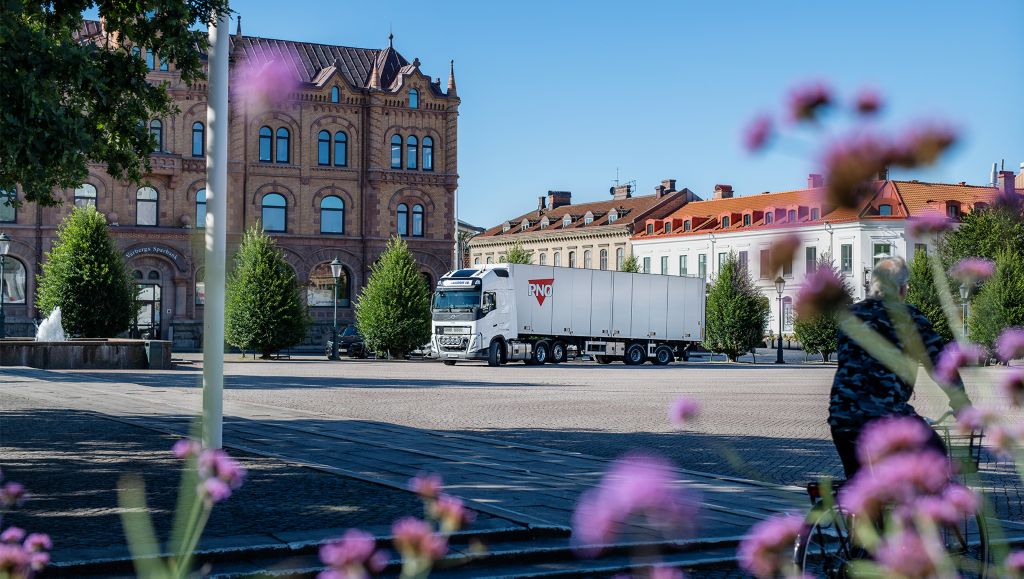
{"points": [[216, 234], [457, 262]]}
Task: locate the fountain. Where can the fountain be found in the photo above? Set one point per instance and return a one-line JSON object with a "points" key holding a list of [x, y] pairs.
{"points": [[52, 328]]}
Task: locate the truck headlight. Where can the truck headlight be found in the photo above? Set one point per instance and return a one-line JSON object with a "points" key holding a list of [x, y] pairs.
{"points": [[474, 344]]}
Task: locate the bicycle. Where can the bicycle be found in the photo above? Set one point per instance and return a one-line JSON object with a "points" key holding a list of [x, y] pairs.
{"points": [[825, 547]]}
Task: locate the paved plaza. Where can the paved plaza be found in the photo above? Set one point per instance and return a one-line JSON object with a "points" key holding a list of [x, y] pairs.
{"points": [[337, 441]]}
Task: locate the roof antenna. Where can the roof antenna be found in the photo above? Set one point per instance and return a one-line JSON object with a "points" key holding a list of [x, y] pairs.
{"points": [[391, 36]]}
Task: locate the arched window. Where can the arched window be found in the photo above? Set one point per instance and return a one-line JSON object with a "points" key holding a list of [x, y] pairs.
{"points": [[567, 220], [137, 275], [542, 259], [332, 215], [544, 222], [417, 220], [411, 152], [201, 209], [340, 149], [335, 94], [620, 255], [198, 139], [476, 261], [323, 148], [613, 216], [164, 65], [791, 216], [396, 152], [156, 128], [815, 214], [603, 259], [588, 260], [725, 222], [147, 204], [283, 136], [747, 218], [402, 217], [85, 196], [153, 275], [572, 259], [558, 259], [266, 135], [428, 154], [769, 217], [136, 52], [414, 99], [668, 227], [200, 287], [150, 60], [320, 291], [14, 280], [686, 225], [490, 260], [274, 212]]}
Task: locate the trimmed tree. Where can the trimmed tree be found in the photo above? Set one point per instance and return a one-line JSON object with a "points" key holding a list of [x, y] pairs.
{"points": [[393, 310], [818, 332], [736, 314], [924, 294], [84, 274], [518, 254], [1000, 303], [631, 264], [264, 310], [985, 233]]}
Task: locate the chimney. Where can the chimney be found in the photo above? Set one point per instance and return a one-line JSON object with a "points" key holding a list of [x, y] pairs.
{"points": [[883, 173], [622, 192], [815, 181], [669, 185], [1006, 184], [723, 191], [541, 205], [557, 199], [1020, 178], [993, 177]]}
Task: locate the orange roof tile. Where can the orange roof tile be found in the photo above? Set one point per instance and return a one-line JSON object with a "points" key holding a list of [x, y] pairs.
{"points": [[630, 207]]}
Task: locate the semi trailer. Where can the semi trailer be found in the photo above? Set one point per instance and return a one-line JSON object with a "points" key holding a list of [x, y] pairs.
{"points": [[536, 313]]}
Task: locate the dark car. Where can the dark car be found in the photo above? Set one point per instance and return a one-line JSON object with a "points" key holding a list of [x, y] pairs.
{"points": [[350, 342]]}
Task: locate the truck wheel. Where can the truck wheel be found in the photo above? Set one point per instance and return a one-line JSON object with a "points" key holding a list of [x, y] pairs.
{"points": [[663, 355], [558, 352], [449, 362], [494, 354], [635, 355], [603, 359], [541, 353]]}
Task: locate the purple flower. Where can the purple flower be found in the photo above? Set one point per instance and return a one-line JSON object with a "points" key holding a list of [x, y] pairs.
{"points": [[213, 490], [38, 542], [13, 494], [1012, 387], [922, 145], [451, 513], [38, 560], [353, 554], [822, 293], [634, 485], [1006, 439], [12, 535], [683, 410], [973, 418], [757, 133], [955, 356], [14, 561], [851, 165], [215, 463], [415, 539], [868, 101], [1015, 562], [805, 102], [1010, 344], [782, 251], [186, 448], [955, 503], [265, 85], [897, 480], [905, 554], [768, 548], [927, 224], [427, 486], [971, 270], [663, 572], [889, 436]]}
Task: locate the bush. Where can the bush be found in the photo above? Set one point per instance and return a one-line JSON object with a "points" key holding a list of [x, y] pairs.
{"points": [[393, 311], [516, 254], [264, 309], [631, 264], [1000, 303], [924, 294], [85, 275], [818, 332], [737, 313]]}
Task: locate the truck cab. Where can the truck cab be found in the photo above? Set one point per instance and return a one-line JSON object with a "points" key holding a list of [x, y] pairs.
{"points": [[470, 309]]}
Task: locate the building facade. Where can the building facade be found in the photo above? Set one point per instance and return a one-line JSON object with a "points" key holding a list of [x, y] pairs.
{"points": [[698, 238], [364, 147], [592, 235]]}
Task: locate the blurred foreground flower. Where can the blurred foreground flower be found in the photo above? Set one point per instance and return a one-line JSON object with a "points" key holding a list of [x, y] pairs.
{"points": [[807, 101], [887, 436], [972, 270], [904, 554], [1012, 387], [782, 252], [683, 410], [265, 85], [757, 133], [354, 556], [1015, 564], [955, 356], [868, 102], [219, 475], [767, 550], [427, 485], [822, 293], [928, 224], [22, 555], [1010, 344], [415, 539], [899, 479]]}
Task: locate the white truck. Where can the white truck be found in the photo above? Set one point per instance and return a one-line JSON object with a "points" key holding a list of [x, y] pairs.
{"points": [[535, 313]]}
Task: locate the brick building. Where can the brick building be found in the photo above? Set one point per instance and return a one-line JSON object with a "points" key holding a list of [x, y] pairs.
{"points": [[364, 148]]}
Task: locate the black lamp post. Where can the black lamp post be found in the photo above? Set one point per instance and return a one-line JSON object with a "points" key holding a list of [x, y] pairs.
{"points": [[336, 274], [965, 292], [780, 285], [5, 246]]}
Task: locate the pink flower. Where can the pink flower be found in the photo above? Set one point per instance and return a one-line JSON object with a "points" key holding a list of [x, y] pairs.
{"points": [[12, 535], [868, 101], [782, 252], [683, 410], [14, 561], [851, 166], [904, 554], [354, 554], [662, 572], [974, 418], [955, 503], [1012, 387], [266, 85], [415, 539], [972, 270], [186, 448], [897, 480], [38, 542], [928, 224], [822, 293], [889, 436], [805, 102], [451, 513], [427, 486], [955, 356], [1015, 562], [922, 145], [39, 560], [1010, 344], [213, 490], [757, 133], [215, 463], [1006, 439], [13, 494], [768, 548]]}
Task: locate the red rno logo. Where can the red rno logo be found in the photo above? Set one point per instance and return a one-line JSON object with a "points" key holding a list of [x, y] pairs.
{"points": [[540, 289]]}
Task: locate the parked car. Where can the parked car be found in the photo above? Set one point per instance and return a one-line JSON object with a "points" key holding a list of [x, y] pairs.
{"points": [[350, 343]]}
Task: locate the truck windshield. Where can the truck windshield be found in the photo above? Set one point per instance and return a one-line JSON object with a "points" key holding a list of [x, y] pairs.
{"points": [[456, 299]]}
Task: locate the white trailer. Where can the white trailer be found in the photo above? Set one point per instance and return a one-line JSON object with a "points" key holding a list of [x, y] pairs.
{"points": [[535, 313]]}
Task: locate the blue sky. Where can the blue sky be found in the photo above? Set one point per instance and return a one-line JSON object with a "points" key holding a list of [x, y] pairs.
{"points": [[558, 94]]}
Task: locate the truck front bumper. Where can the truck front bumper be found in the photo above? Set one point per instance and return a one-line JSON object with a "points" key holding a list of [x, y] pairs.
{"points": [[467, 349]]}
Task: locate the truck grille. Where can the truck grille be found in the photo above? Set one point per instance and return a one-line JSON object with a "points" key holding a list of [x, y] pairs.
{"points": [[452, 343]]}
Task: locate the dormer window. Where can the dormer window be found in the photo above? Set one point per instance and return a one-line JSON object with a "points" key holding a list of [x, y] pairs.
{"points": [[588, 218], [668, 227], [613, 216], [791, 216], [885, 210], [524, 225], [725, 221], [567, 220], [769, 217], [815, 214], [505, 227], [746, 219], [953, 209], [544, 222], [414, 98], [335, 94], [687, 225]]}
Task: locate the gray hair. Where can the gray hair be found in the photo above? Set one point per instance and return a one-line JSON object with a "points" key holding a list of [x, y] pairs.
{"points": [[889, 276]]}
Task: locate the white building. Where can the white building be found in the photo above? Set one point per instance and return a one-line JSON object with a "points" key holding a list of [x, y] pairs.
{"points": [[697, 238]]}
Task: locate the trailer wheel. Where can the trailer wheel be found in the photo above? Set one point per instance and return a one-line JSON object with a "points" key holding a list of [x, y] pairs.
{"points": [[603, 359], [494, 353], [663, 355], [635, 355], [449, 362], [558, 352], [541, 353]]}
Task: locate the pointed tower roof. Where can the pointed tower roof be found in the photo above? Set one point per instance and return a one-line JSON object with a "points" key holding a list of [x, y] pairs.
{"points": [[451, 78], [388, 64]]}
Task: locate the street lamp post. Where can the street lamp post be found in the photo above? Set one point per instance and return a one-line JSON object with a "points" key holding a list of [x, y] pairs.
{"points": [[336, 274], [780, 285], [5, 246], [965, 292]]}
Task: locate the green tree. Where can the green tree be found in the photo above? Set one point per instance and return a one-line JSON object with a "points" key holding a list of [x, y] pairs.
{"points": [[631, 264], [393, 310], [518, 254], [1000, 303], [69, 99], [84, 274], [924, 294], [984, 233], [736, 312], [264, 309], [817, 332]]}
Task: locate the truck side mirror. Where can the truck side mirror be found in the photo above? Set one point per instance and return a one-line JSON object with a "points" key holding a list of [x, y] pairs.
{"points": [[489, 303]]}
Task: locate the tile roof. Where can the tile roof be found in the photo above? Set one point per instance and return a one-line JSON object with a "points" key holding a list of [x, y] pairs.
{"points": [[308, 60]]}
